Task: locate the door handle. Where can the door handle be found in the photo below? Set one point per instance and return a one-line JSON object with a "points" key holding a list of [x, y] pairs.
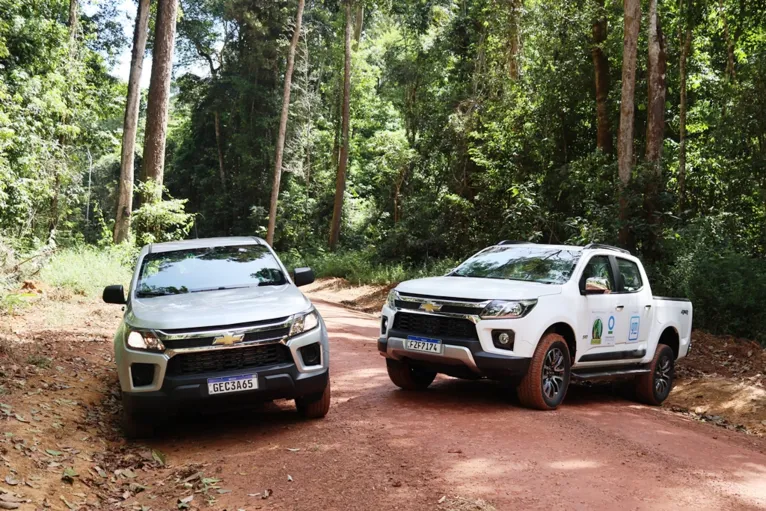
{"points": [[619, 307], [648, 307]]}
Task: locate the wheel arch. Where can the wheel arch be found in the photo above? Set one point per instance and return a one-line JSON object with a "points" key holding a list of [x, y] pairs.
{"points": [[567, 332], [672, 339]]}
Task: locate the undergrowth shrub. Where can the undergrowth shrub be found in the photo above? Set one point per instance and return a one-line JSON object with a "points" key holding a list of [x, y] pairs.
{"points": [[87, 270]]}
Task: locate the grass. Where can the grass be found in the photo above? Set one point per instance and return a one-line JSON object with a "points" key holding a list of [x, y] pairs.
{"points": [[87, 270], [360, 267]]}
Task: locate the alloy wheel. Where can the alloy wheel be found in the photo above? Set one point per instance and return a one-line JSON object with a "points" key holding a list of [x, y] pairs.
{"points": [[662, 376], [553, 373]]}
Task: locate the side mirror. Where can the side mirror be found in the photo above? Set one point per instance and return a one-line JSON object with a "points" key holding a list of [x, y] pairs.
{"points": [[597, 286], [303, 276], [114, 294]]}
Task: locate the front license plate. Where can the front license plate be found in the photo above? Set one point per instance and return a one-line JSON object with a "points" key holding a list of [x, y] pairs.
{"points": [[423, 344], [228, 384]]}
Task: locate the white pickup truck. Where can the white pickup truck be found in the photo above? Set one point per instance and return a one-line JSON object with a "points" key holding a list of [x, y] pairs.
{"points": [[538, 315]]}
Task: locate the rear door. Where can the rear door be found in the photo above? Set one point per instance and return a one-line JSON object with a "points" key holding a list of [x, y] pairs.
{"points": [[638, 299], [603, 318]]}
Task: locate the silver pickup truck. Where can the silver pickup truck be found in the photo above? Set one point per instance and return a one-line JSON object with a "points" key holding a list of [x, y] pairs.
{"points": [[213, 320]]}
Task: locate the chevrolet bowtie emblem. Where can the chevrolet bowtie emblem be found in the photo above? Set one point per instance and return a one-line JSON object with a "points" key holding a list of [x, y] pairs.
{"points": [[228, 339], [430, 307]]}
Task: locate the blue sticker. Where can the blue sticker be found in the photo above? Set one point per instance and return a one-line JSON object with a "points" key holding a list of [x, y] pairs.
{"points": [[610, 324], [635, 321]]}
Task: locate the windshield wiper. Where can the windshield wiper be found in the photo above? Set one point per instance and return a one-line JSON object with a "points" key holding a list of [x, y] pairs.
{"points": [[271, 283], [220, 288], [148, 294]]}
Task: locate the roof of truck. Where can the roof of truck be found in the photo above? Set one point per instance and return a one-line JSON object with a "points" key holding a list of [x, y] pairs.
{"points": [[171, 246], [589, 246]]}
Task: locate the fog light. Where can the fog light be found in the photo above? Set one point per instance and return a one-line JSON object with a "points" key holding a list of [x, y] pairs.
{"points": [[503, 339], [383, 325], [311, 354]]}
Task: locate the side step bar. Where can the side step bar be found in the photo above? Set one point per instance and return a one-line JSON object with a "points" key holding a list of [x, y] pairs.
{"points": [[608, 373]]}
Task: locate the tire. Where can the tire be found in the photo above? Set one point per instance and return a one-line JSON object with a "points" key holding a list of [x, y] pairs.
{"points": [[134, 424], [654, 387], [547, 380], [315, 406], [406, 377]]}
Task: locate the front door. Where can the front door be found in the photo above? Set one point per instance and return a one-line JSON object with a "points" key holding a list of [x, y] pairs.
{"points": [[604, 321]]}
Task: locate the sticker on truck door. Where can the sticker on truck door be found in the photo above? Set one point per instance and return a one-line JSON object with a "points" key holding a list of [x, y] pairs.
{"points": [[602, 332], [635, 323]]}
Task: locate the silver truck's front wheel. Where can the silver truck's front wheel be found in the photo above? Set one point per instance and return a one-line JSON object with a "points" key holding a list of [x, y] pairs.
{"points": [[135, 425], [406, 377], [315, 407]]}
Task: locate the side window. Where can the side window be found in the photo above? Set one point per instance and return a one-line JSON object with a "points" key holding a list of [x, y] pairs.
{"points": [[630, 274], [599, 268]]}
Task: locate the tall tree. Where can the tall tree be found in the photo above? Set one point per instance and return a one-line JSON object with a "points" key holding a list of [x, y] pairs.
{"points": [[601, 72], [283, 124], [656, 67], [685, 32], [514, 38], [159, 92], [632, 23], [340, 178], [130, 124], [73, 17]]}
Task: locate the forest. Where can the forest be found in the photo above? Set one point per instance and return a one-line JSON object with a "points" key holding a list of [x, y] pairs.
{"points": [[406, 134]]}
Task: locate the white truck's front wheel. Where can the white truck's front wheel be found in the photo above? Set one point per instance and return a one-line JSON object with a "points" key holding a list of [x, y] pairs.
{"points": [[547, 379]]}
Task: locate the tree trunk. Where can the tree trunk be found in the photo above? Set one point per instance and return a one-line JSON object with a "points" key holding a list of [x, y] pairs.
{"points": [[514, 39], [283, 125], [130, 124], [340, 181], [730, 43], [219, 147], [601, 68], [632, 22], [685, 53], [656, 67], [159, 92], [655, 124], [73, 22], [359, 21]]}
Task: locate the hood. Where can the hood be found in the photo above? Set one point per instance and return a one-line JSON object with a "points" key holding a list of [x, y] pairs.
{"points": [[478, 288], [215, 308]]}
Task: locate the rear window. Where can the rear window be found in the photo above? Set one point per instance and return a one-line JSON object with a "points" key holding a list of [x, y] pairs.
{"points": [[208, 269], [631, 276]]}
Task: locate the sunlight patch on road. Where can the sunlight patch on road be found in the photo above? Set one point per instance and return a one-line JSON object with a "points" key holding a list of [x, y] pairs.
{"points": [[574, 464]]}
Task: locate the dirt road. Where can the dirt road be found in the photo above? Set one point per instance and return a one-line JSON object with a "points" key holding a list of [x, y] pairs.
{"points": [[381, 448]]}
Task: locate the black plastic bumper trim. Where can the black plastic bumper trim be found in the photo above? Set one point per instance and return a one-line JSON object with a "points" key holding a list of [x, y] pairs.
{"points": [[278, 382]]}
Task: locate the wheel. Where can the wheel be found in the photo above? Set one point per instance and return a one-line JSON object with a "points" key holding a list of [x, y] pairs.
{"points": [[407, 377], [547, 379], [134, 424], [316, 406], [654, 387]]}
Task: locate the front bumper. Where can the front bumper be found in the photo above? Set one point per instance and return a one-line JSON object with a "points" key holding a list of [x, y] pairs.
{"points": [[463, 360], [282, 381], [287, 378]]}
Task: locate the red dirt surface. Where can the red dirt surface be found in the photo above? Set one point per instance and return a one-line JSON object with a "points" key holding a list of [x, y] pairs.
{"points": [[459, 445]]}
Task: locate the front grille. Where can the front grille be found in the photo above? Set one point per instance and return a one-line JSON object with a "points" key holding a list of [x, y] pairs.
{"points": [[451, 309], [277, 333], [226, 359], [435, 326]]}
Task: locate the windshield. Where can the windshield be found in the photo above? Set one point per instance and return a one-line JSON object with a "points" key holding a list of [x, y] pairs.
{"points": [[529, 263], [208, 269]]}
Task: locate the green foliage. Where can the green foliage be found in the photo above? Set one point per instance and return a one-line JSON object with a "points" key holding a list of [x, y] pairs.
{"points": [[87, 270], [364, 267], [159, 220]]}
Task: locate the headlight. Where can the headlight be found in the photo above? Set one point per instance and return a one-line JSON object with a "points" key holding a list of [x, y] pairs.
{"points": [[304, 322], [504, 309], [144, 341], [392, 297]]}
